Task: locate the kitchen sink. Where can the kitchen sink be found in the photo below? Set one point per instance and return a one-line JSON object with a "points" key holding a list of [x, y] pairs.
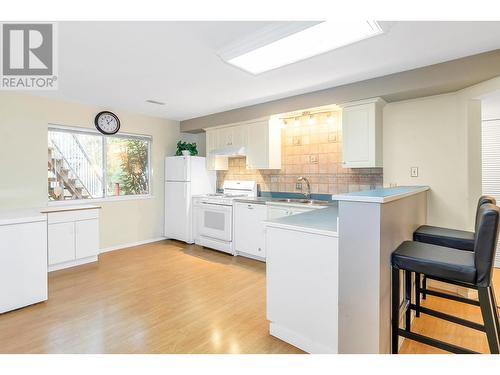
{"points": [[302, 201]]}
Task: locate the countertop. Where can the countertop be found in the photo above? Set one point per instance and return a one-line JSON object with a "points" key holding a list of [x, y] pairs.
{"points": [[75, 207], [322, 221], [382, 195], [29, 215]]}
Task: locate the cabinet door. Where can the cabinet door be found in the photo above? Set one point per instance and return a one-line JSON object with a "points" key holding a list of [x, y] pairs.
{"points": [[61, 241], [225, 137], [356, 136], [87, 238], [214, 163], [23, 265], [240, 136], [258, 145], [249, 229]]}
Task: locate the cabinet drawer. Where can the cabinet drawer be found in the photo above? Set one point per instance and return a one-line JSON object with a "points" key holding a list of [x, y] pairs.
{"points": [[67, 216]]}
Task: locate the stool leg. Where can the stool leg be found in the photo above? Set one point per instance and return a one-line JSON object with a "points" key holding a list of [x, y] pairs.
{"points": [[408, 299], [488, 318], [395, 310], [417, 294], [495, 311], [424, 286]]}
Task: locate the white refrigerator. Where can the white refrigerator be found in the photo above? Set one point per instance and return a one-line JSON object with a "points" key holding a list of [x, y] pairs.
{"points": [[185, 176]]}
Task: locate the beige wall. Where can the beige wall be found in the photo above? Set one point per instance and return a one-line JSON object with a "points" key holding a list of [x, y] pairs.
{"points": [[442, 136], [426, 133], [23, 162]]}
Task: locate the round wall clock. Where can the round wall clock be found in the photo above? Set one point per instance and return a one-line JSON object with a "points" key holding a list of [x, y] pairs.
{"points": [[107, 123]]}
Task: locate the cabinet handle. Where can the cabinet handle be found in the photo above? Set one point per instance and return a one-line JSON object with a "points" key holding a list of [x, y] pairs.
{"points": [[250, 207]]}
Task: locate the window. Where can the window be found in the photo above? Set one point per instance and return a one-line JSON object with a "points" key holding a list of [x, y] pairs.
{"points": [[87, 165]]}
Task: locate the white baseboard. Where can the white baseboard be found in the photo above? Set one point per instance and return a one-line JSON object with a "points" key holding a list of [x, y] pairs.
{"points": [[298, 340], [131, 244], [72, 263]]}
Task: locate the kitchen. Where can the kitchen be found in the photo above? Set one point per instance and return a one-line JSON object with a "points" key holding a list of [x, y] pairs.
{"points": [[246, 217], [263, 228]]}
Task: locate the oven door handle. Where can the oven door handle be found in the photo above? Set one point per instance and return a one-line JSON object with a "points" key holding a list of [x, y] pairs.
{"points": [[217, 205]]}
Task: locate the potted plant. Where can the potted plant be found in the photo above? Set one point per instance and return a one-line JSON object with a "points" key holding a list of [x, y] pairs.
{"points": [[185, 148]]}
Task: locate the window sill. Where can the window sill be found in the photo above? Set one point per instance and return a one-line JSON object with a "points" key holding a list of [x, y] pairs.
{"points": [[75, 202]]}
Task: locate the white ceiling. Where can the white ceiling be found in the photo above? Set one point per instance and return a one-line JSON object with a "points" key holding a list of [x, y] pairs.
{"points": [[119, 65]]}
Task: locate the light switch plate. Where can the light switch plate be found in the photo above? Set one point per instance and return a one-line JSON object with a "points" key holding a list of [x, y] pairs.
{"points": [[414, 172]]}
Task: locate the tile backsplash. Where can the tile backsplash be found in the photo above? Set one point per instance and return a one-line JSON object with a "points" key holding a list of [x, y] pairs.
{"points": [[312, 151]]}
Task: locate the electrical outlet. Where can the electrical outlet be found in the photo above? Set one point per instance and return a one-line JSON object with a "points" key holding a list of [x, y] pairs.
{"points": [[313, 159], [414, 172], [298, 186], [297, 141]]}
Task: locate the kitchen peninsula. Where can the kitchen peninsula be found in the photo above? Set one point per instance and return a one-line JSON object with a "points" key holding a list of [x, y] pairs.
{"points": [[327, 285]]}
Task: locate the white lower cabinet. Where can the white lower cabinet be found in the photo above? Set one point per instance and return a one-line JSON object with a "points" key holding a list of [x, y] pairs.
{"points": [[23, 262], [61, 240], [249, 229], [86, 238], [73, 238], [249, 226]]}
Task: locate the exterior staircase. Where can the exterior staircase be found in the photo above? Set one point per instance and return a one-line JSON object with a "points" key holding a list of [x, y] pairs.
{"points": [[71, 174]]}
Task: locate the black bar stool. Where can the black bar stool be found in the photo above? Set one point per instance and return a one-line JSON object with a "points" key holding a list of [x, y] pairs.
{"points": [[465, 268], [456, 239]]}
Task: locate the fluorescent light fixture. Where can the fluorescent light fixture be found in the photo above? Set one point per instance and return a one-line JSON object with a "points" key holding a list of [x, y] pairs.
{"points": [[311, 41]]}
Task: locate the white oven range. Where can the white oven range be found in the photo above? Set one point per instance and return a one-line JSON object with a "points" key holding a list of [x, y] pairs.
{"points": [[213, 215]]}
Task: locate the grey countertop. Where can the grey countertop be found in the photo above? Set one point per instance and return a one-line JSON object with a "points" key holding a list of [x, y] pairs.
{"points": [[321, 221]]}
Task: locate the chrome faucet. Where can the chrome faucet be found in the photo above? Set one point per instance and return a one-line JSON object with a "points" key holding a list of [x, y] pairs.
{"points": [[308, 194]]}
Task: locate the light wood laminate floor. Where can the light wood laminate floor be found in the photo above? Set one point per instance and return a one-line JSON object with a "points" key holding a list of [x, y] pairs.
{"points": [[164, 297], [168, 297], [450, 332]]}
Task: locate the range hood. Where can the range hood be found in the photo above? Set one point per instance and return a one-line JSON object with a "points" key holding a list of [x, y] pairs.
{"points": [[229, 151]]}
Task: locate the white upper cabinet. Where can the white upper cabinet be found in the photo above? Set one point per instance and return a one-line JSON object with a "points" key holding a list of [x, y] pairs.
{"points": [[260, 140], [214, 163], [362, 133], [264, 145]]}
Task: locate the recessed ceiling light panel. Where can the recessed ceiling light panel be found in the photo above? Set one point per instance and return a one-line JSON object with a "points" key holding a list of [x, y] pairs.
{"points": [[311, 41]]}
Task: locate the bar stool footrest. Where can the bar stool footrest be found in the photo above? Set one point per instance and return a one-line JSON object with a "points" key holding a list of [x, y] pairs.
{"points": [[450, 318], [450, 296], [435, 343]]}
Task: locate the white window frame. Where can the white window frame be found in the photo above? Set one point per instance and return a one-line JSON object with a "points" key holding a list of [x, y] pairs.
{"points": [[85, 130]]}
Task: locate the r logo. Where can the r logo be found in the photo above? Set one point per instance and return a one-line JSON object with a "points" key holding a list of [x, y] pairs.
{"points": [[27, 49]]}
